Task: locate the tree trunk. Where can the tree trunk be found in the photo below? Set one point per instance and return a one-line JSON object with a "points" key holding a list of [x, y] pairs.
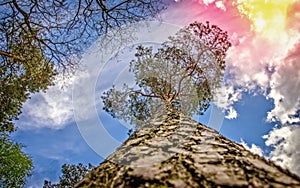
{"points": [[172, 150]]}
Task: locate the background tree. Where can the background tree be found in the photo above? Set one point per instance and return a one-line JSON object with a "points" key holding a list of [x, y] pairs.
{"points": [[182, 73], [14, 164], [71, 174], [26, 73]]}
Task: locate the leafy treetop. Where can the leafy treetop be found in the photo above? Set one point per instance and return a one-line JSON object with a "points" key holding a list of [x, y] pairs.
{"points": [[182, 73]]}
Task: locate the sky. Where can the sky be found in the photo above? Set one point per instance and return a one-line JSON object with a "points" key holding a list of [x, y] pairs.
{"points": [[258, 104]]}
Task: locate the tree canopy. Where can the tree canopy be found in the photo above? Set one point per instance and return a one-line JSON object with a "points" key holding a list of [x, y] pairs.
{"points": [[29, 72], [182, 73], [71, 174], [14, 164]]}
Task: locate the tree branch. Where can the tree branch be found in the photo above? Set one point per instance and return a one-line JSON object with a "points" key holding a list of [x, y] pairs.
{"points": [[147, 95], [25, 15], [10, 55]]}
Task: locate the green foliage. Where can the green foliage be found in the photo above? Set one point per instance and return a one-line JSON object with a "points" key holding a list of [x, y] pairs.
{"points": [[71, 174], [21, 75], [14, 164], [26, 72], [183, 73]]}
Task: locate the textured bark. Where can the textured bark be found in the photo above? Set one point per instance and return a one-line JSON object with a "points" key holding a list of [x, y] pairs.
{"points": [[172, 150]]}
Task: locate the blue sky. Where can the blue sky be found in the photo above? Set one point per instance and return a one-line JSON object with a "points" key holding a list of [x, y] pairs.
{"points": [[50, 148], [260, 91]]}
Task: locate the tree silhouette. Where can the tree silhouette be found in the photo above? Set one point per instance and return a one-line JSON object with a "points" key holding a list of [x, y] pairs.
{"points": [[181, 74]]}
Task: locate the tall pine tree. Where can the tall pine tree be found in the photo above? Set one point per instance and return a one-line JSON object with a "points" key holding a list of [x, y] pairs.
{"points": [[168, 148]]}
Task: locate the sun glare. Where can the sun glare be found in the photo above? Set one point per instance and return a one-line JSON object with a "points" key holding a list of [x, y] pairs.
{"points": [[268, 17]]}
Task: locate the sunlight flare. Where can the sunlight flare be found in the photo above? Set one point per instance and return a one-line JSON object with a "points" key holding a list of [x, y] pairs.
{"points": [[268, 17]]}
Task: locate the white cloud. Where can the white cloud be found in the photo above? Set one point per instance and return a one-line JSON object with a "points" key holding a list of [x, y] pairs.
{"points": [[286, 145], [220, 5], [285, 87], [207, 2], [231, 113], [55, 107], [52, 109], [225, 97], [254, 148], [273, 72]]}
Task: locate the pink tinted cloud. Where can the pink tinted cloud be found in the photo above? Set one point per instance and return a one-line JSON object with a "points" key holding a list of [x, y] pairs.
{"points": [[185, 12], [293, 17], [285, 88], [270, 66]]}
